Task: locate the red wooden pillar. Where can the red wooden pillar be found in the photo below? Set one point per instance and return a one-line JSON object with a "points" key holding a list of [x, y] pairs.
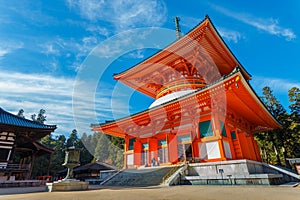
{"points": [[137, 145], [222, 151], [172, 145], [256, 149], [252, 153], [194, 138], [244, 146], [153, 146], [195, 149]]}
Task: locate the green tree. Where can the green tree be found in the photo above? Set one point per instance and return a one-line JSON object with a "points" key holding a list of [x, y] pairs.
{"points": [[41, 164], [85, 156], [294, 128], [279, 144], [41, 118], [101, 150], [73, 139], [274, 137], [57, 159], [21, 113]]}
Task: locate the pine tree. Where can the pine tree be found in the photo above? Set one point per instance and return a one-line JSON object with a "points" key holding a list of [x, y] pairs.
{"points": [[277, 110], [294, 128], [85, 156], [73, 139], [21, 113], [41, 118], [101, 150], [59, 146]]}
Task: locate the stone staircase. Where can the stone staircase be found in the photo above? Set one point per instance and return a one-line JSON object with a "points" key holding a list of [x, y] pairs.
{"points": [[139, 177]]}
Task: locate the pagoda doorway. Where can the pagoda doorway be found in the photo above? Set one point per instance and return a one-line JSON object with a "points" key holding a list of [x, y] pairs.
{"points": [[184, 148], [145, 154]]}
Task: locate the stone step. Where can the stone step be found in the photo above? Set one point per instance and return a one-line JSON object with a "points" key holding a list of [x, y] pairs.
{"points": [[139, 177]]}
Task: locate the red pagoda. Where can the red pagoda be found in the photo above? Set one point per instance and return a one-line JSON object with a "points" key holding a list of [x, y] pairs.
{"points": [[204, 108]]}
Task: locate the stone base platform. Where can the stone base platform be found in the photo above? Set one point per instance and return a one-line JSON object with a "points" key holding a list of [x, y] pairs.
{"points": [[66, 186], [235, 172]]}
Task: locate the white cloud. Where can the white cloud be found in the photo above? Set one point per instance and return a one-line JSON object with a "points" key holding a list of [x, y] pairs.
{"points": [[137, 54], [122, 14], [49, 49], [8, 47], [3, 52], [32, 92], [189, 22], [98, 30], [279, 86], [230, 35], [269, 25], [57, 47]]}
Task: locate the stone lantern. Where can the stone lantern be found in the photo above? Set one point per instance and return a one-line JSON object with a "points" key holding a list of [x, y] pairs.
{"points": [[69, 183], [72, 156]]}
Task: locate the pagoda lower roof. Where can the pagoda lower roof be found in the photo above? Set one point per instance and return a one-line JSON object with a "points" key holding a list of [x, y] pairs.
{"points": [[239, 97], [8, 119], [202, 48]]}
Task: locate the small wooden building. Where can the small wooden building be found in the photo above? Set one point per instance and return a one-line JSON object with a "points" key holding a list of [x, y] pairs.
{"points": [[94, 171], [19, 145]]}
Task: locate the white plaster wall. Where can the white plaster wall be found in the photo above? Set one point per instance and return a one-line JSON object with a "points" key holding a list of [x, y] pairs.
{"points": [[209, 150], [130, 159]]}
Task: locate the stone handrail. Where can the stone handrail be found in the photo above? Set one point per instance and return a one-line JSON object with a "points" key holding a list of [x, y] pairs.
{"points": [[282, 170], [110, 177], [174, 174]]}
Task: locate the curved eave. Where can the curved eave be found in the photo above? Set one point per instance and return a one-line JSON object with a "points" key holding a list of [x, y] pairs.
{"points": [[242, 99], [274, 123], [246, 74], [119, 75], [212, 46]]}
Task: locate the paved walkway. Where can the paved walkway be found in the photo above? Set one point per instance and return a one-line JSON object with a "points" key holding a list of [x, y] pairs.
{"points": [[176, 192], [21, 190]]}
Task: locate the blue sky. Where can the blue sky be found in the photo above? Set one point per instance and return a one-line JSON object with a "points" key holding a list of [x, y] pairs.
{"points": [[44, 43]]}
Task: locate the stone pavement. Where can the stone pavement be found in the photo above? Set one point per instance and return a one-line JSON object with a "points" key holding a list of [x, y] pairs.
{"points": [[174, 193], [21, 190]]}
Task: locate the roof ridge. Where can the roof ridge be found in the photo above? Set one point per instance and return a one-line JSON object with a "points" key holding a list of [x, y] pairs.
{"points": [[169, 45], [26, 120]]}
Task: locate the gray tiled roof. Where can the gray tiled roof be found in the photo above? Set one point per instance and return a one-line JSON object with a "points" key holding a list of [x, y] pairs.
{"points": [[7, 118]]}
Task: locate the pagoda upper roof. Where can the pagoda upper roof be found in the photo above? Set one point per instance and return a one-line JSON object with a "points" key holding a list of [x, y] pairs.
{"points": [[8, 119], [240, 97], [202, 48]]}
